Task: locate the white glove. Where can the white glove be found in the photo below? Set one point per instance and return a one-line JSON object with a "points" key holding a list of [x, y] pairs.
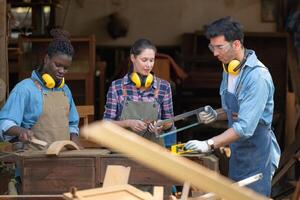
{"points": [[208, 115], [196, 145]]}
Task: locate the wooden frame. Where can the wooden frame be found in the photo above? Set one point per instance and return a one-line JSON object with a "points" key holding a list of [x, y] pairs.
{"points": [[269, 10], [179, 168]]}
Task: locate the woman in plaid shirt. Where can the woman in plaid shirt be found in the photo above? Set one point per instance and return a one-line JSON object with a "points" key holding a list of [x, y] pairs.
{"points": [[139, 99]]}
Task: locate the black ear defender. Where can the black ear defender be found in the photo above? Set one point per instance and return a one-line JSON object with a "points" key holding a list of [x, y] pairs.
{"points": [[234, 67], [141, 81]]}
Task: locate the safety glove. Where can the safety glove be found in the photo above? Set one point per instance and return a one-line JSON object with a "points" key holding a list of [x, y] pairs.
{"points": [[208, 115], [196, 145]]}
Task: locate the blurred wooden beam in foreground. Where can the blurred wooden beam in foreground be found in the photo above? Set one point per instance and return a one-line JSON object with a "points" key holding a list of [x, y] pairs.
{"points": [[158, 158]]}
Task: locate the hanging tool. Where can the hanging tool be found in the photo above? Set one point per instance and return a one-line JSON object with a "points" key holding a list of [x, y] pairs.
{"points": [[180, 117]]}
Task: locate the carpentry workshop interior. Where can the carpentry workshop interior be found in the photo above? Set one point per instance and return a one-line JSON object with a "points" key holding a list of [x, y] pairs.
{"points": [[149, 99]]}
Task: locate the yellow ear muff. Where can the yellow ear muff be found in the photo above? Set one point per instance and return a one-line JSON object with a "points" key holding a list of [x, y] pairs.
{"points": [[233, 67], [136, 79], [50, 82], [145, 82], [148, 81], [62, 83]]}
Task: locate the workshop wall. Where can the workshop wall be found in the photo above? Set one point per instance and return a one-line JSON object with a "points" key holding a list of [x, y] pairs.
{"points": [[163, 21]]}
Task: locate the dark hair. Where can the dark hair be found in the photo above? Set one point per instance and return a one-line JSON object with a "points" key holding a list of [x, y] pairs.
{"points": [[140, 45], [231, 29], [60, 44], [137, 48]]}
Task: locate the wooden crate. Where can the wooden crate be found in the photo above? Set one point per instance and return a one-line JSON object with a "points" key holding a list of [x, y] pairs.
{"points": [[86, 169]]}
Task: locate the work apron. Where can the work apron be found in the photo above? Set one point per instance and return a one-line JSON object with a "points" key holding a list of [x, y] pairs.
{"points": [[252, 155], [53, 123], [145, 111]]}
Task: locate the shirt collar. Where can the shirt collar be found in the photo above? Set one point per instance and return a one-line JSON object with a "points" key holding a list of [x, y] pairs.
{"points": [[251, 59], [37, 77]]}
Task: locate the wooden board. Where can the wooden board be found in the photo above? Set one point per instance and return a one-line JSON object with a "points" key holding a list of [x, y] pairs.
{"points": [[126, 192], [31, 197], [160, 159]]}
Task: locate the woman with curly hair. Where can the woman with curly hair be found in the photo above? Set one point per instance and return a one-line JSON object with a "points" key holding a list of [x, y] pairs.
{"points": [[42, 106]]}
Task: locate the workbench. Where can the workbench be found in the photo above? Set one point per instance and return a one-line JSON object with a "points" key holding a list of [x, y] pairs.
{"points": [[86, 169]]}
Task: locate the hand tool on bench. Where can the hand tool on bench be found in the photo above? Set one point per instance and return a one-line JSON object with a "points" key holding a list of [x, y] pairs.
{"points": [[178, 149], [180, 117], [37, 141]]}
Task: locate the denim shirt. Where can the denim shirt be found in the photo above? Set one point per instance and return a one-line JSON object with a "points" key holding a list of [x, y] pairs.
{"points": [[254, 90], [25, 103]]}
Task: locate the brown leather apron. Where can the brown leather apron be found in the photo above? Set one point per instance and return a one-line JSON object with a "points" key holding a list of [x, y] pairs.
{"points": [[53, 123]]}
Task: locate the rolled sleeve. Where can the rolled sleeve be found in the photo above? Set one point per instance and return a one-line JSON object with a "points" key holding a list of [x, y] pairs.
{"points": [[4, 126], [253, 104]]}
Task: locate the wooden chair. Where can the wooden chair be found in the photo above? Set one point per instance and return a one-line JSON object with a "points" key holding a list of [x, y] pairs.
{"points": [[85, 113]]}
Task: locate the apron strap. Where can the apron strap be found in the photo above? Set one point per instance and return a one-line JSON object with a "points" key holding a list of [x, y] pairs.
{"points": [[157, 88], [124, 91]]}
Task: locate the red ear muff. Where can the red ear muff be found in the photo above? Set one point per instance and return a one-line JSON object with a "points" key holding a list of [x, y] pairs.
{"points": [[141, 81]]}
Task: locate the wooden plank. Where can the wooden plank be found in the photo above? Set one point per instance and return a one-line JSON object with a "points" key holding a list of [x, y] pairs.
{"points": [[286, 159], [3, 53], [139, 174], [296, 195], [158, 193], [293, 68], [290, 119], [285, 168], [31, 197], [185, 191], [179, 168], [56, 147], [127, 192], [116, 175], [39, 142]]}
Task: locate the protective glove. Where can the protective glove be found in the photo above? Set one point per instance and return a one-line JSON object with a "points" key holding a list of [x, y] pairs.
{"points": [[208, 115], [196, 145]]}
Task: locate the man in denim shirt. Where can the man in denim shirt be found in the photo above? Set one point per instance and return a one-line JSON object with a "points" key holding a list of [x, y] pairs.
{"points": [[247, 102]]}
